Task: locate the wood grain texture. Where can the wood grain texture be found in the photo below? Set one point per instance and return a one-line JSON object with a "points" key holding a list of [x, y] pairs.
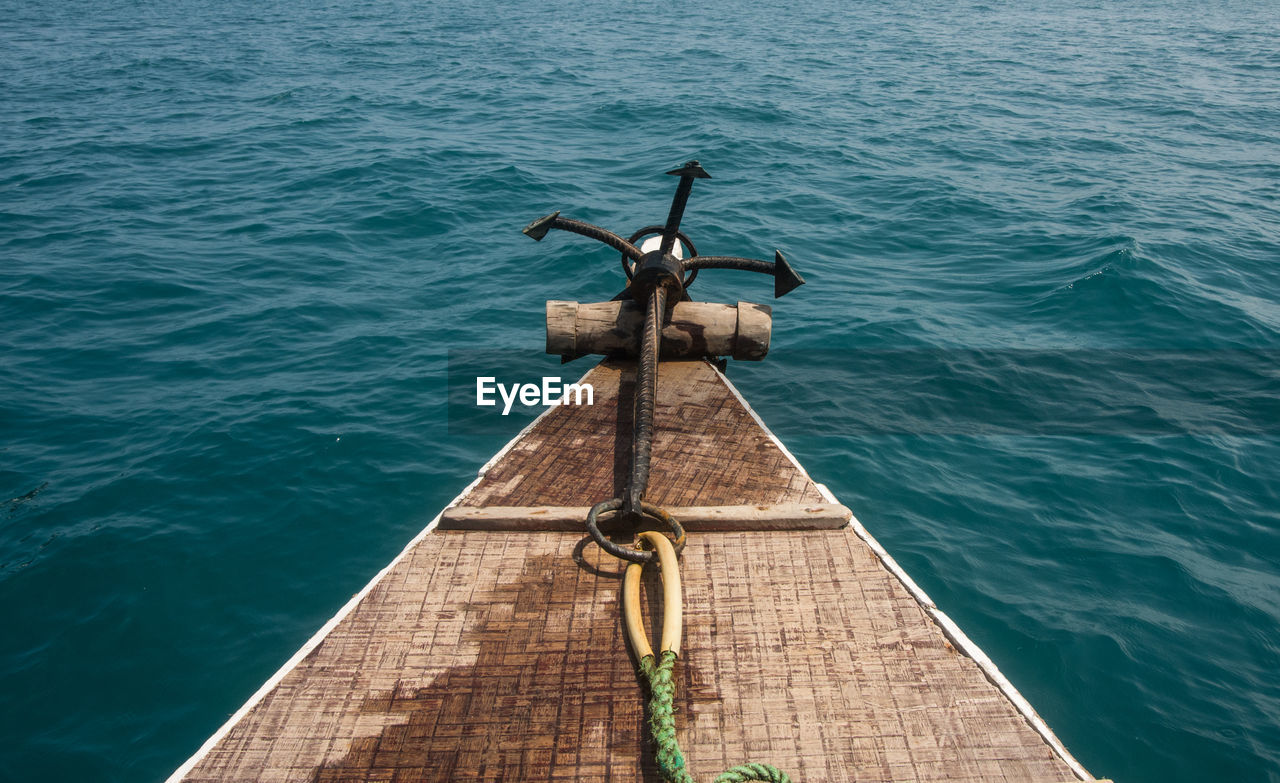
{"points": [[693, 329], [500, 656], [707, 449], [694, 519]]}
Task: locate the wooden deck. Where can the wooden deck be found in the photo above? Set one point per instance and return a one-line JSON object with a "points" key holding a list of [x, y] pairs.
{"points": [[500, 656]]}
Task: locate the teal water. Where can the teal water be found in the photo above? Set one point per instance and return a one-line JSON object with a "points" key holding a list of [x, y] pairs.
{"points": [[238, 242]]}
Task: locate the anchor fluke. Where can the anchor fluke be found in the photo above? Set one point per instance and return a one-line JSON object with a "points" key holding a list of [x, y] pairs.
{"points": [[690, 169], [539, 228], [785, 279]]}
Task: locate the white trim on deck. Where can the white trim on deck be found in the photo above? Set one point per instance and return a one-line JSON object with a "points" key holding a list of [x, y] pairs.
{"points": [[948, 626], [346, 609]]}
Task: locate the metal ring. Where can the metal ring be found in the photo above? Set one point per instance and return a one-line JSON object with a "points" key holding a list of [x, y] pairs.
{"points": [[624, 553], [693, 252]]}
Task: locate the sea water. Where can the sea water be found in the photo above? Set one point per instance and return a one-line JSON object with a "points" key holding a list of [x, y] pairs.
{"points": [[239, 243]]}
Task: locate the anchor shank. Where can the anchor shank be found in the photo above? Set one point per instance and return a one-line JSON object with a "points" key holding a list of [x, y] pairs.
{"points": [[646, 392]]}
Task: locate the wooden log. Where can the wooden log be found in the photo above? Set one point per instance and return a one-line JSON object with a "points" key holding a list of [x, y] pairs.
{"points": [[761, 516], [694, 329]]}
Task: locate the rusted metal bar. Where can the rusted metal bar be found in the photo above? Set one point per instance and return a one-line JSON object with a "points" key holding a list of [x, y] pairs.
{"points": [[539, 228], [645, 396], [785, 279], [656, 278]]}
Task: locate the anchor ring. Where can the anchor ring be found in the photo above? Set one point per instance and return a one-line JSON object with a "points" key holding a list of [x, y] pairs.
{"points": [[628, 266], [625, 553]]}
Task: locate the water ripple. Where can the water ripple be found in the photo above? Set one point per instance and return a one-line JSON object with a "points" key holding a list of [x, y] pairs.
{"points": [[238, 241]]}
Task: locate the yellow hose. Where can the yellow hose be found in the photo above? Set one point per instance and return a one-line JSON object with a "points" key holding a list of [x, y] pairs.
{"points": [[672, 602]]}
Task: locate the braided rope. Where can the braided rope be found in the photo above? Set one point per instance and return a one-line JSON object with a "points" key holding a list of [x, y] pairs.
{"points": [[662, 725]]}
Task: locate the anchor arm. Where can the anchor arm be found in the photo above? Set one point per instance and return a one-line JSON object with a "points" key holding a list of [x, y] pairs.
{"points": [[730, 262], [687, 174], [785, 279], [539, 228]]}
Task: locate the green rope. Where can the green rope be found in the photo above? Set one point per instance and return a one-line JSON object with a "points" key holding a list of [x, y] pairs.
{"points": [[662, 724]]}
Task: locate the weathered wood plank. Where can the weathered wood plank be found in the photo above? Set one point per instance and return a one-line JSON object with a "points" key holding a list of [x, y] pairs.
{"points": [[694, 519], [708, 450]]}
